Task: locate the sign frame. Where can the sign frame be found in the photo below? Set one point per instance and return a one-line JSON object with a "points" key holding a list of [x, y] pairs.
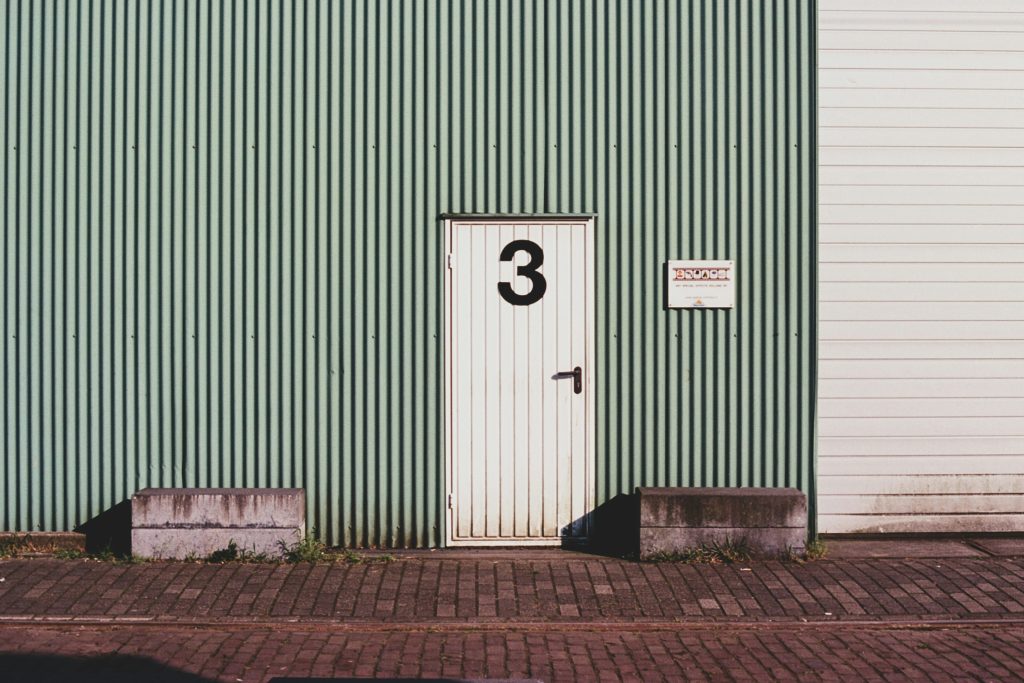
{"points": [[697, 284]]}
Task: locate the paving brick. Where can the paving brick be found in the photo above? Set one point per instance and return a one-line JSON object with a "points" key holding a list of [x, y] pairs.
{"points": [[519, 588]]}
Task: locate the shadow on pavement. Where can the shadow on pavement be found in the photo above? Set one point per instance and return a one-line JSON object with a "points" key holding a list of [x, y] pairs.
{"points": [[108, 668], [113, 668]]}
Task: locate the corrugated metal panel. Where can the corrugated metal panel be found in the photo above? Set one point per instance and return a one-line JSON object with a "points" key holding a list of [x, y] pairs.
{"points": [[222, 245]]}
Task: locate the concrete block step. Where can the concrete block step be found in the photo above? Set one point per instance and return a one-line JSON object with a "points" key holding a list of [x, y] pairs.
{"points": [[236, 508], [177, 543], [770, 521]]}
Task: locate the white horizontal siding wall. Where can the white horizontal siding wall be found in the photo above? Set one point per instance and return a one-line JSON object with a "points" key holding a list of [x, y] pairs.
{"points": [[921, 365]]}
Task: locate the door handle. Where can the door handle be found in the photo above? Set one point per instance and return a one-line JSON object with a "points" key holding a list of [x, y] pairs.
{"points": [[577, 378]]}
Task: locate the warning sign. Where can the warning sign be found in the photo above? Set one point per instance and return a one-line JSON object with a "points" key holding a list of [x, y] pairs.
{"points": [[701, 284]]}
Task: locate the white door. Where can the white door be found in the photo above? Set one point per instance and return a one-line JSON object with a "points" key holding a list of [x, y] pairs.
{"points": [[520, 379]]}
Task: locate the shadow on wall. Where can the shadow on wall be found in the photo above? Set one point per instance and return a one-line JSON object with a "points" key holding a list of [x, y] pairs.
{"points": [[111, 530], [615, 526]]}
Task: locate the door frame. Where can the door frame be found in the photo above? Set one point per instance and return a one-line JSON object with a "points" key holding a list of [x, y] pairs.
{"points": [[588, 221]]}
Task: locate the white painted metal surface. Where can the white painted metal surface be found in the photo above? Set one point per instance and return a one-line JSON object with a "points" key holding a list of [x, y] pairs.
{"points": [[921, 224], [520, 437]]}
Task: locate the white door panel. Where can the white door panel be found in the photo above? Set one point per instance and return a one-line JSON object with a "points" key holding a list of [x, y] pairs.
{"points": [[520, 305]]}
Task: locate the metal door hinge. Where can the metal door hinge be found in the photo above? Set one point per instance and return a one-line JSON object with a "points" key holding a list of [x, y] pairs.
{"points": [[450, 501], [449, 261]]}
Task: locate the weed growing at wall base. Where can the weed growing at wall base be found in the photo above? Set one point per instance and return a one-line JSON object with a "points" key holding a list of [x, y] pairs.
{"points": [[816, 550], [232, 553], [728, 551], [309, 549]]}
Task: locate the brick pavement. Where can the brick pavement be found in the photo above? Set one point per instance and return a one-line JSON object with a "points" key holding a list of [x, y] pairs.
{"points": [[513, 590], [552, 617], [724, 652]]}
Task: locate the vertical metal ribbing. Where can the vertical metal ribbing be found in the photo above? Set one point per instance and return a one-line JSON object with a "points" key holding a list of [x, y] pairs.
{"points": [[222, 260]]}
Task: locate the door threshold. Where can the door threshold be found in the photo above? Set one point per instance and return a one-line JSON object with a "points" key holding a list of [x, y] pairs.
{"points": [[534, 553]]}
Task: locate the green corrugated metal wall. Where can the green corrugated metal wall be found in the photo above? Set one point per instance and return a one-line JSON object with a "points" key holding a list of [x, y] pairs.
{"points": [[222, 254]]}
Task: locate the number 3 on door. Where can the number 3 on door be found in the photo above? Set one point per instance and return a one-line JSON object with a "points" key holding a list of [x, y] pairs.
{"points": [[540, 285]]}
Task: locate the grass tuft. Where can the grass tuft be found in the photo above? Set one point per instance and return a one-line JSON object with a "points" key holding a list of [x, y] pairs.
{"points": [[816, 550], [105, 555], [352, 557], [232, 553], [729, 551], [312, 550], [33, 545], [309, 549], [9, 547]]}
